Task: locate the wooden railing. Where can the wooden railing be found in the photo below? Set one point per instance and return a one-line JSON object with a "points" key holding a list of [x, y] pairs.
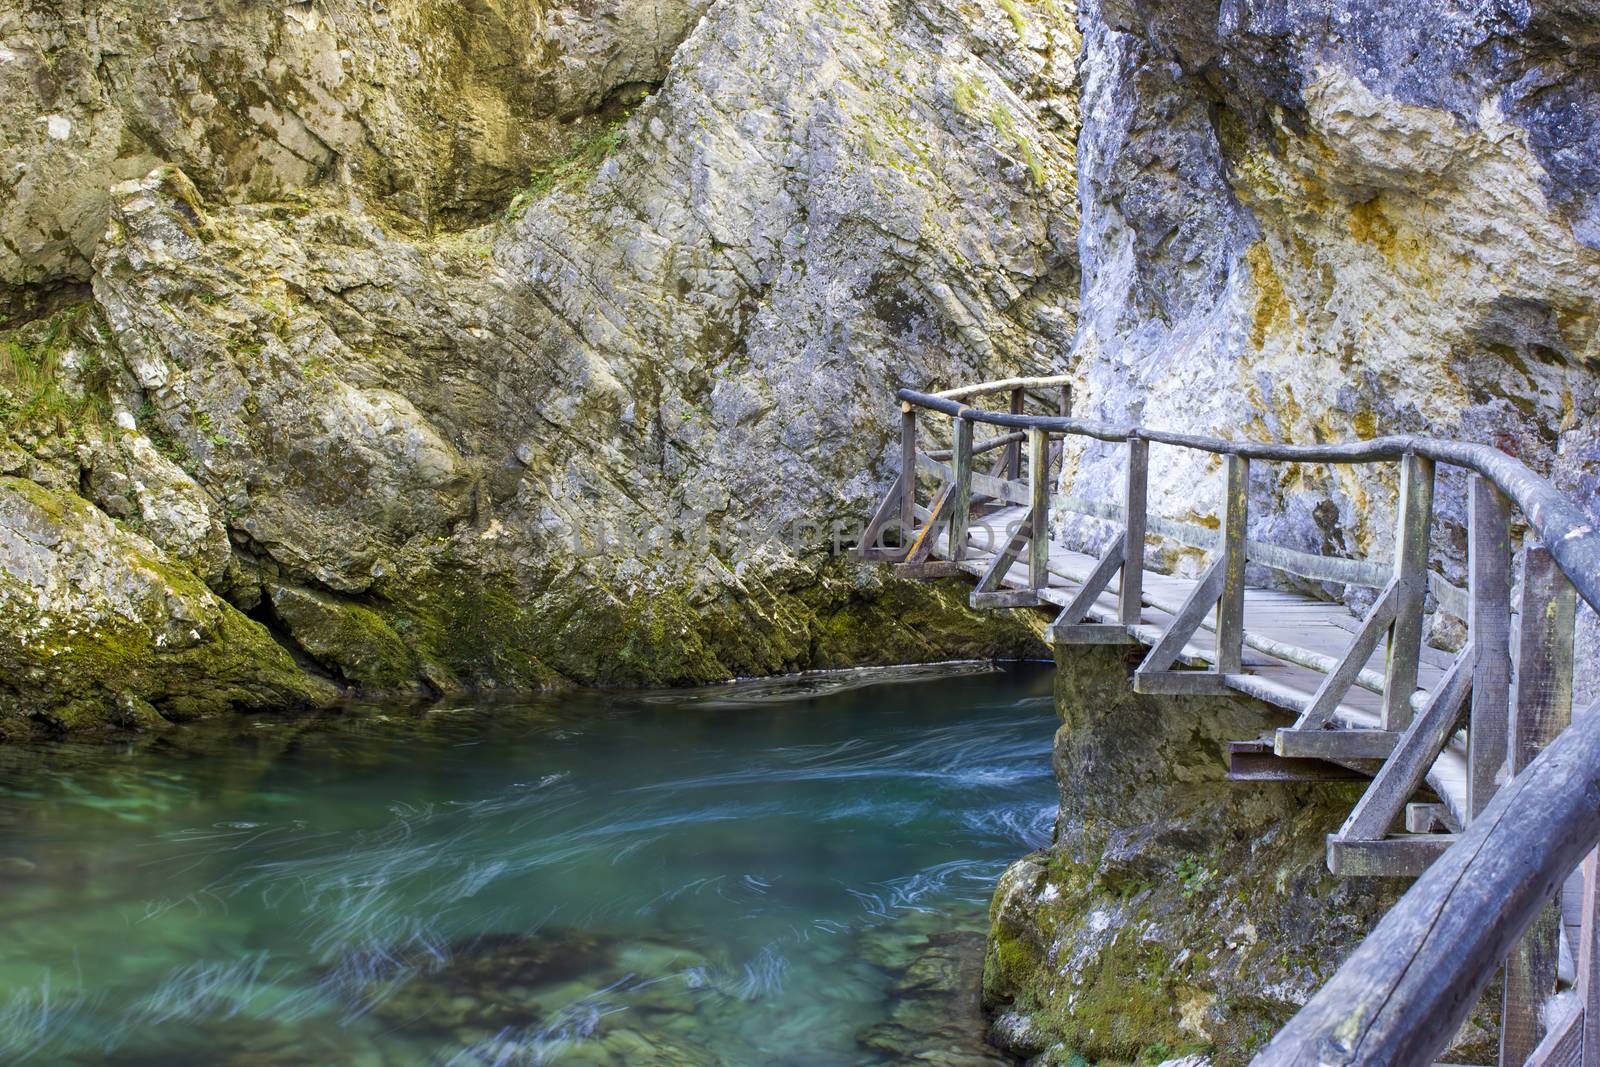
{"points": [[1524, 806]]}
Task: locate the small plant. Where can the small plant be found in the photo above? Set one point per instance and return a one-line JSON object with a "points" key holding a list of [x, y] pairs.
{"points": [[581, 160], [1006, 124], [1018, 19], [964, 97], [1194, 875]]}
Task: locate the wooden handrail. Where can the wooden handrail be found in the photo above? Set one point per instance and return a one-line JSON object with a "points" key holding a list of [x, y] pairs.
{"points": [[1558, 524]]}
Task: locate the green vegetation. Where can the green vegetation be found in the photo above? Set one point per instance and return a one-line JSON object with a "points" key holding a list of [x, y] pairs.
{"points": [[1006, 124], [581, 161], [1018, 19], [32, 365], [966, 94]]}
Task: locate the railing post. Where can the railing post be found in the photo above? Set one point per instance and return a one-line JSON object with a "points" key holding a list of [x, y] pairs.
{"points": [[1132, 592], [1230, 607], [1066, 401], [1411, 575], [1014, 450], [961, 513], [1541, 710], [1039, 498], [1589, 960], [1489, 590], [908, 475]]}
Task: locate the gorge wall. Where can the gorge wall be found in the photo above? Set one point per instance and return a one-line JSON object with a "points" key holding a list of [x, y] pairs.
{"points": [[434, 345], [1301, 222]]}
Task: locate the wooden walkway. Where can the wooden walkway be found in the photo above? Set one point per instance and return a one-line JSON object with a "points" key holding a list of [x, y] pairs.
{"points": [[1480, 781]]}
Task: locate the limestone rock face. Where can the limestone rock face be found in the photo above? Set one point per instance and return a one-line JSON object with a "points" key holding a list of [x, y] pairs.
{"points": [[435, 109], [617, 432], [1327, 223]]}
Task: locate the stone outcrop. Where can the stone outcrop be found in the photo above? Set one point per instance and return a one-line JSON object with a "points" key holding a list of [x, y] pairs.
{"points": [[611, 434], [1327, 223]]}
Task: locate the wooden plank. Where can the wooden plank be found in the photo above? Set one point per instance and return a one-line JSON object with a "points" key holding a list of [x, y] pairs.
{"points": [[1254, 761], [1397, 856], [1335, 744], [1091, 633], [1333, 689], [1179, 683], [1563, 1045], [1411, 573], [1007, 598], [908, 475], [1039, 486], [1430, 819], [1185, 623], [1414, 753], [922, 548], [1489, 622], [1230, 605], [933, 568], [983, 485], [994, 576], [961, 506], [1589, 960], [1541, 710], [1130, 596]]}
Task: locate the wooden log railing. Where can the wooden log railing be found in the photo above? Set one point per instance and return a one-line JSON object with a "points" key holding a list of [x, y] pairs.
{"points": [[1495, 848]]}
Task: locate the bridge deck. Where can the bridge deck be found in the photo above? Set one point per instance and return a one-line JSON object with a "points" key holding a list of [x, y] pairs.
{"points": [[1289, 618]]}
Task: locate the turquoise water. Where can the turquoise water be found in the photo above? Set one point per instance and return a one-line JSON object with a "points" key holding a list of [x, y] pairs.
{"points": [[770, 873]]}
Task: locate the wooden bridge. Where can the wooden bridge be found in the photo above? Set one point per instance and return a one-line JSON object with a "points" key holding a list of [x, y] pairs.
{"points": [[1481, 782]]}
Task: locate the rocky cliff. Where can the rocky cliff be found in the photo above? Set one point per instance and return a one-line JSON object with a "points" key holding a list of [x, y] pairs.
{"points": [[447, 345]]}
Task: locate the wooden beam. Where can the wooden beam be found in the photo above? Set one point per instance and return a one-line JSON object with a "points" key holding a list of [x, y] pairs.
{"points": [[961, 506], [1089, 634], [1414, 753], [1589, 960], [1397, 856], [1185, 623], [1130, 596], [1001, 565], [1562, 1046], [1541, 710], [1335, 744], [922, 547], [1014, 452], [1179, 683], [1039, 490], [1411, 574], [868, 541], [1230, 605], [1007, 598], [1325, 702], [1093, 586], [933, 568], [1430, 819], [1254, 761], [1489, 622], [908, 475]]}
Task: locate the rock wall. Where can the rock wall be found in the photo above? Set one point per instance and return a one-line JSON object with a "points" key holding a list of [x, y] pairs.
{"points": [[1327, 222], [606, 436], [1175, 914]]}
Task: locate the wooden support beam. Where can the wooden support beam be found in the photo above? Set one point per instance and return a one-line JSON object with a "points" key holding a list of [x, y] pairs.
{"points": [[1489, 622], [1039, 491], [1589, 960], [1003, 560], [1066, 401], [1230, 605], [1130, 597], [1254, 761], [867, 546], [1563, 1044], [1093, 586], [1413, 754], [1335, 744], [961, 506], [1088, 633], [908, 475], [1185, 623], [1430, 819], [1396, 856], [1541, 710], [1325, 702], [1014, 451], [1411, 574], [922, 546], [933, 568], [1007, 598], [1179, 683]]}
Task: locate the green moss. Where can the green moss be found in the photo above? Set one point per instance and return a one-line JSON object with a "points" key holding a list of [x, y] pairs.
{"points": [[349, 638], [579, 163], [1019, 21], [33, 386], [1006, 124]]}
